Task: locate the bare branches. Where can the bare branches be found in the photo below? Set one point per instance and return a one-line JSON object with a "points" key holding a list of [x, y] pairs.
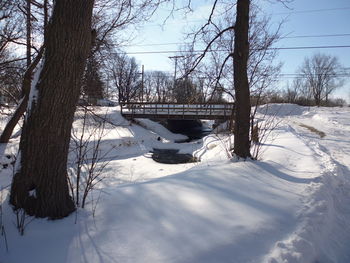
{"points": [[110, 17], [220, 75], [220, 36], [87, 170], [209, 21], [321, 75], [285, 3], [7, 132], [207, 48], [6, 7], [11, 61]]}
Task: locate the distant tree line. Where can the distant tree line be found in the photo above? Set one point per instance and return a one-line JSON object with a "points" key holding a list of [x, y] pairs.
{"points": [[128, 83], [316, 79]]}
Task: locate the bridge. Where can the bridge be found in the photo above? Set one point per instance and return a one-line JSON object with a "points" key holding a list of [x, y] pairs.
{"points": [[193, 111]]}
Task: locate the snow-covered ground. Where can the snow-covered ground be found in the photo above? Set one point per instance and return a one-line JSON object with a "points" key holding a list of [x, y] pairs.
{"points": [[291, 206]]}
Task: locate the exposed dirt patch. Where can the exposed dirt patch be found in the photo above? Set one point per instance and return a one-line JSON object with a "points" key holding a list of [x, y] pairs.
{"points": [[313, 129]]}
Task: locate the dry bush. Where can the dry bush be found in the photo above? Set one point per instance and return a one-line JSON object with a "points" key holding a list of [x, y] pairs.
{"points": [[89, 164]]}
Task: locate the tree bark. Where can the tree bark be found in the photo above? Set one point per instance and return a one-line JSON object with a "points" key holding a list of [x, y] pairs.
{"points": [[40, 182], [242, 93]]}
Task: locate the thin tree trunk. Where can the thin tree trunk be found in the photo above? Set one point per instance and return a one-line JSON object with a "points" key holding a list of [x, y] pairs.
{"points": [[7, 132], [11, 124], [27, 78], [46, 15], [29, 33], [242, 93], [40, 184]]}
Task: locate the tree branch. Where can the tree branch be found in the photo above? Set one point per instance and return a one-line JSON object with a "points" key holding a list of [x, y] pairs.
{"points": [[200, 58]]}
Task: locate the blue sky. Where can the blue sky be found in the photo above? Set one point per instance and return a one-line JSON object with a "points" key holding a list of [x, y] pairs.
{"points": [[302, 18]]}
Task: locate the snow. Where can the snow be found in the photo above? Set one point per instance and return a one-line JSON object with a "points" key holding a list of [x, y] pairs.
{"points": [[34, 93], [293, 205], [161, 130]]}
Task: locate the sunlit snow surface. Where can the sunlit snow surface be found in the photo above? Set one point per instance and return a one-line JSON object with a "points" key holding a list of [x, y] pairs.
{"points": [[291, 206]]}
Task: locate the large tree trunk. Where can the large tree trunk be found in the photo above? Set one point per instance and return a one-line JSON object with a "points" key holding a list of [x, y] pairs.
{"points": [[240, 60], [40, 182]]}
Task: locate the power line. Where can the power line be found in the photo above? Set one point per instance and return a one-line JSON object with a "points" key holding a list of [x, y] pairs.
{"points": [[281, 13], [308, 47], [184, 44], [304, 74], [223, 50], [305, 77], [157, 44], [294, 74], [311, 36], [314, 11]]}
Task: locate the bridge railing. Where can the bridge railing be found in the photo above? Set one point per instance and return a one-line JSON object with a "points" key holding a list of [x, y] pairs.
{"points": [[177, 110]]}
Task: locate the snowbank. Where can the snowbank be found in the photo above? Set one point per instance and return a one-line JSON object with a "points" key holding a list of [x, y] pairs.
{"points": [[293, 206], [161, 130], [282, 110]]}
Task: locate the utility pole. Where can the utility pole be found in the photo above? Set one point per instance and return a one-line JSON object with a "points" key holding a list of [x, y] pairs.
{"points": [[142, 81], [175, 58]]}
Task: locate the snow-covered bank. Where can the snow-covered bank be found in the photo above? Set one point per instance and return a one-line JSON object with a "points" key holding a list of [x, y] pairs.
{"points": [[292, 206], [324, 233]]}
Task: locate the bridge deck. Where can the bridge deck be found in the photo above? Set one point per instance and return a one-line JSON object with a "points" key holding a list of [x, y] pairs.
{"points": [[208, 111]]}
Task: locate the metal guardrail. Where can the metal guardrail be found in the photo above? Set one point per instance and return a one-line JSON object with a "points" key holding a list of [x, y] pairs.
{"points": [[177, 110]]}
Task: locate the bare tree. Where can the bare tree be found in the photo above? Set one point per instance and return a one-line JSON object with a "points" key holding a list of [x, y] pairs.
{"points": [[110, 20], [322, 74], [157, 86], [220, 35], [292, 92], [11, 66], [10, 82], [241, 83], [185, 91], [93, 86], [40, 182], [27, 76], [28, 15], [125, 74], [10, 32], [262, 70], [25, 90], [240, 55], [112, 17], [162, 85]]}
